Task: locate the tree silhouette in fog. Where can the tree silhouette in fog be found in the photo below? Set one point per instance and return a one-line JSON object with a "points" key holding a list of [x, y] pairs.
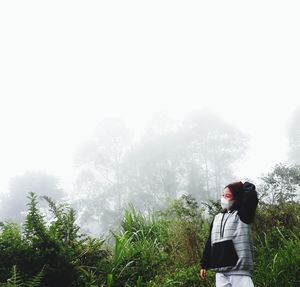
{"points": [[213, 147], [169, 158], [13, 205], [101, 183]]}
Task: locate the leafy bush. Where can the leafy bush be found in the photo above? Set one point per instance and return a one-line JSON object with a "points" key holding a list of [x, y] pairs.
{"points": [[65, 255], [16, 280], [270, 218]]}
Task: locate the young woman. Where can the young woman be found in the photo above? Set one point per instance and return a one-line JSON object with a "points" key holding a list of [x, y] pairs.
{"points": [[229, 248]]}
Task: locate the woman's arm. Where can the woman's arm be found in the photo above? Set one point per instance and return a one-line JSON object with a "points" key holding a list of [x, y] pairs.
{"points": [[205, 260], [248, 204]]}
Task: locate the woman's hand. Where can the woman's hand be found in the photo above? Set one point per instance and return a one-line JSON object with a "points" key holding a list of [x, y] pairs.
{"points": [[203, 274]]}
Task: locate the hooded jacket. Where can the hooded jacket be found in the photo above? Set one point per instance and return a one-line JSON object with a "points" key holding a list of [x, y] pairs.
{"points": [[229, 247]]}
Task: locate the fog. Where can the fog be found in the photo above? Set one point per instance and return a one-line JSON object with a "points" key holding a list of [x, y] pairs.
{"points": [[71, 70]]}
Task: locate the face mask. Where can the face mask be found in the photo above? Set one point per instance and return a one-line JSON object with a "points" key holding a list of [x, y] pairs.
{"points": [[226, 204]]}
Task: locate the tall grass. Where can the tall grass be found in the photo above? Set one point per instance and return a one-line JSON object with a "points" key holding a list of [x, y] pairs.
{"points": [[160, 249], [278, 264], [138, 251]]}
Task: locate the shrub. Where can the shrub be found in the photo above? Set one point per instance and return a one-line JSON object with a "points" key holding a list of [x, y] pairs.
{"points": [[58, 247], [276, 267]]}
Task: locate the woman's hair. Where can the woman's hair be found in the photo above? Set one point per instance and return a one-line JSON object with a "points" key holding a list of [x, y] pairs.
{"points": [[236, 189]]}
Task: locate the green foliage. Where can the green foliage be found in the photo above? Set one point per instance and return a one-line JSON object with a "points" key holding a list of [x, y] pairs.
{"points": [[280, 185], [13, 249], [35, 228], [138, 249], [213, 206], [277, 265], [184, 276], [16, 280], [149, 247], [186, 209], [68, 258], [269, 219], [36, 280], [186, 230], [109, 280]]}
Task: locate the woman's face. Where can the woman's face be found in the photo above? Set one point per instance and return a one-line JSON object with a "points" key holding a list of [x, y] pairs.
{"points": [[227, 194]]}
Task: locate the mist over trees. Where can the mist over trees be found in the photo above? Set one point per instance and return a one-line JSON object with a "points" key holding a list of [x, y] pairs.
{"points": [[164, 175], [195, 156], [13, 204], [102, 182]]}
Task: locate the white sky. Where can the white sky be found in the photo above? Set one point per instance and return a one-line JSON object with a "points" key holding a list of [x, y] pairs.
{"points": [[65, 64]]}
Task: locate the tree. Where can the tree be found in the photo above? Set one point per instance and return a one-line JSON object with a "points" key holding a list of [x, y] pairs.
{"points": [[13, 204], [154, 165], [101, 183], [213, 147], [168, 160], [280, 185]]}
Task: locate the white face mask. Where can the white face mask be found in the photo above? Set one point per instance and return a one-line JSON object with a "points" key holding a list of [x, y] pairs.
{"points": [[226, 204]]}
